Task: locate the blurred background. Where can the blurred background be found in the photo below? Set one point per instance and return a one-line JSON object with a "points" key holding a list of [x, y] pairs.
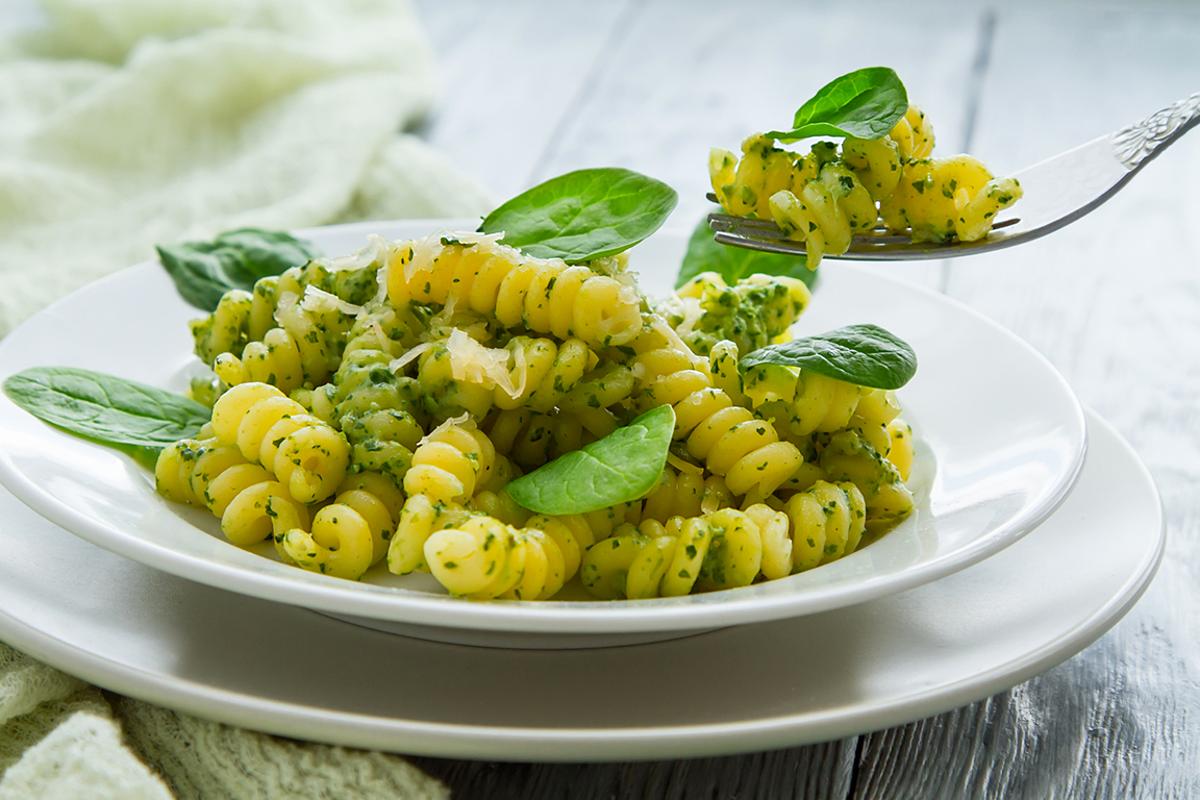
{"points": [[130, 122]]}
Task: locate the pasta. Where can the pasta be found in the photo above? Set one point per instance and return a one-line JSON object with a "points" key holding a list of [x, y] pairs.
{"points": [[371, 410], [483, 558], [532, 438], [469, 551], [375, 409], [303, 348], [447, 467], [544, 295], [721, 550], [206, 473], [727, 548], [825, 197], [292, 331], [745, 450], [848, 456], [450, 463], [304, 453], [752, 313], [800, 401]]}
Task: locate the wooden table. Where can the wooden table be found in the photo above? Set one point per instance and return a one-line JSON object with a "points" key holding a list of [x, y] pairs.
{"points": [[533, 89]]}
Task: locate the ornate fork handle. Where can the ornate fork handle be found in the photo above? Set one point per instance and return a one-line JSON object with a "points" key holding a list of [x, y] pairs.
{"points": [[1142, 141]]}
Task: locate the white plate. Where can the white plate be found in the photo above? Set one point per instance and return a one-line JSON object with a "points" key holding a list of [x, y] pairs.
{"points": [[284, 670], [1007, 433]]}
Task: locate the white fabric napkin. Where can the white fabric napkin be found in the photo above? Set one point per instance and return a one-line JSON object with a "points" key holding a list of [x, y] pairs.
{"points": [[125, 123]]}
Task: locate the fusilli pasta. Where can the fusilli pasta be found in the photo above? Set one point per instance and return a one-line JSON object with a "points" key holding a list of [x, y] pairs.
{"points": [[329, 376], [543, 295], [303, 452], [823, 198], [745, 450]]}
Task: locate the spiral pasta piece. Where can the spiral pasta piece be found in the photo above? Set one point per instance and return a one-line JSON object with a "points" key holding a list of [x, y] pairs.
{"points": [[449, 464], [419, 518], [375, 409], [305, 347], [375, 498], [878, 163], [849, 456], [242, 317], [448, 467], [216, 476], [824, 198], [744, 186], [752, 313], [801, 401], [303, 452], [482, 558], [721, 550], [743, 449], [943, 199], [826, 521], [531, 439], [686, 491], [339, 543], [727, 548], [826, 213], [544, 295], [542, 372]]}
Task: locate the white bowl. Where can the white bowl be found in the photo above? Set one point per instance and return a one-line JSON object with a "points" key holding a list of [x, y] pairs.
{"points": [[1001, 439]]}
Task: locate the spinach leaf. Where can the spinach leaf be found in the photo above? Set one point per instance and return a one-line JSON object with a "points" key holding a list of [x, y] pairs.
{"points": [[203, 271], [866, 355], [733, 263], [584, 214], [621, 467], [865, 103], [132, 417]]}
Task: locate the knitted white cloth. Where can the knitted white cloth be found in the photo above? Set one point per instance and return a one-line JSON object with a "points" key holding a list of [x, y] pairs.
{"points": [[124, 123], [61, 739]]}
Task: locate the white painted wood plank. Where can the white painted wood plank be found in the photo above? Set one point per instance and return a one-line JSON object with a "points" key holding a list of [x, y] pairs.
{"points": [[687, 76], [819, 772], [1122, 718], [510, 72], [1114, 302]]}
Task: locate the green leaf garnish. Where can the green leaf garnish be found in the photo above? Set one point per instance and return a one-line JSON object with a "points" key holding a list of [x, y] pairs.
{"points": [[583, 215], [866, 355], [621, 467], [204, 271], [734, 263], [132, 417], [865, 104]]}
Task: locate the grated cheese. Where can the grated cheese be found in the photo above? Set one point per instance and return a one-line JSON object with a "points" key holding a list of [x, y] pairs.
{"points": [[320, 300], [461, 419], [484, 366], [411, 355]]}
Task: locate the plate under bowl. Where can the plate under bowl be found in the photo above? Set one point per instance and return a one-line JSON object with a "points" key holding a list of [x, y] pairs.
{"points": [[266, 666], [1001, 441]]}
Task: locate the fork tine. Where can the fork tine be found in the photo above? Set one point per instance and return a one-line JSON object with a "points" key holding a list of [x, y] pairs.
{"points": [[768, 233], [781, 246], [729, 221], [746, 229]]}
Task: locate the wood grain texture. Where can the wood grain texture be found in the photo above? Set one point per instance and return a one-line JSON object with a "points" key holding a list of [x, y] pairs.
{"points": [[539, 88], [511, 74], [1114, 302], [822, 771]]}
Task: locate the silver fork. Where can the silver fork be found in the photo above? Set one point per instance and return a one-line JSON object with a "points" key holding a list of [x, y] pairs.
{"points": [[1058, 191]]}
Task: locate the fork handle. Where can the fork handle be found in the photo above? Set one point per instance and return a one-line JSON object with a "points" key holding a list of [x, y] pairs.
{"points": [[1140, 142]]}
